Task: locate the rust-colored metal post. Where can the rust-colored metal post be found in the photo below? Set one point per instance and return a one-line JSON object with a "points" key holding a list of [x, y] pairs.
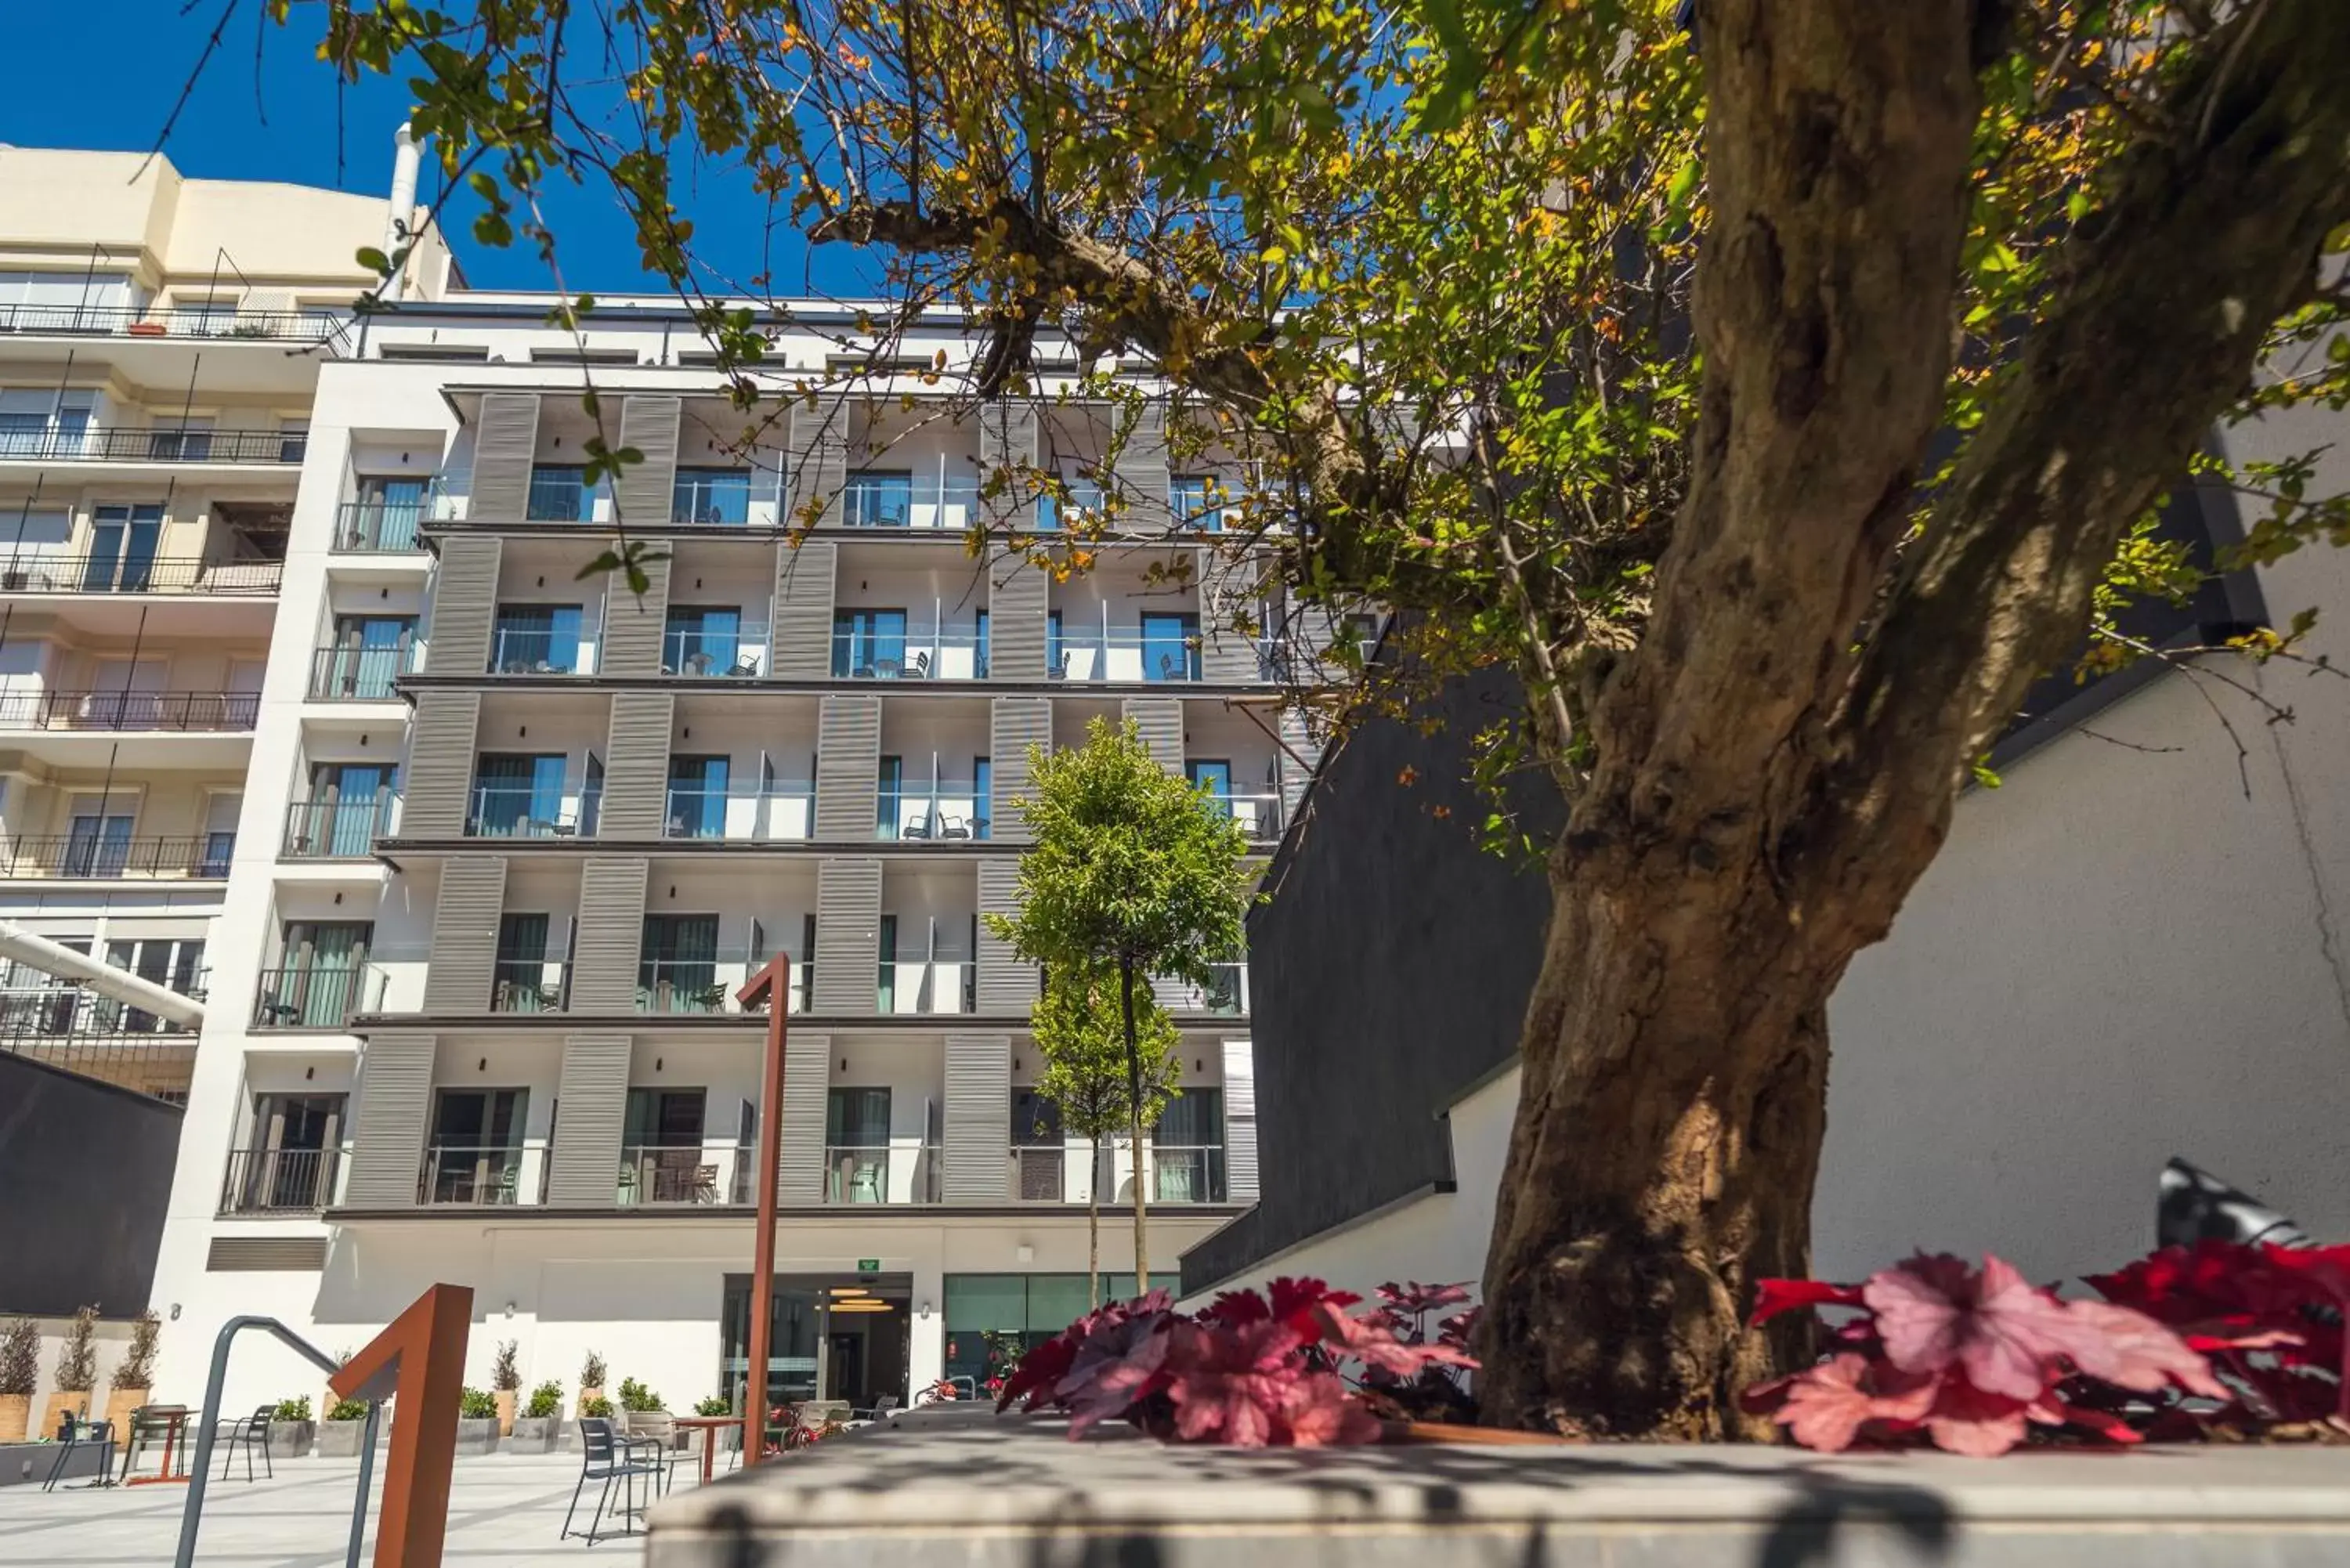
{"points": [[774, 982], [420, 1360]]}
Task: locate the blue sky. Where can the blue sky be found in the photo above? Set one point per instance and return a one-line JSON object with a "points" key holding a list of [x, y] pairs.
{"points": [[104, 74]]}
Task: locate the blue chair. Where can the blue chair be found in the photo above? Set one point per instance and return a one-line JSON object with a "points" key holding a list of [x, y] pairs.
{"points": [[605, 1456], [73, 1432]]}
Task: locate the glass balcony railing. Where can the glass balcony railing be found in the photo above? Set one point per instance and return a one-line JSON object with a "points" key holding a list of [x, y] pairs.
{"points": [[1181, 1174], [1258, 814], [1122, 656], [947, 811], [943, 982], [359, 674], [473, 1177], [558, 496], [1044, 1173], [716, 501], [527, 811], [1081, 510], [880, 501], [704, 655], [881, 1173], [669, 984], [665, 1175], [379, 527], [519, 650], [529, 985], [948, 654], [782, 812], [281, 1180], [313, 997]]}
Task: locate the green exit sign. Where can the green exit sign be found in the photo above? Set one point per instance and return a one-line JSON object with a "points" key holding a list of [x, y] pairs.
{"points": [[869, 1265]]}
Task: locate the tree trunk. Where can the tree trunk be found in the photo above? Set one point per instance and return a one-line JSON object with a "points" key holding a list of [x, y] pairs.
{"points": [[1134, 1126], [1667, 1140], [1093, 1227]]}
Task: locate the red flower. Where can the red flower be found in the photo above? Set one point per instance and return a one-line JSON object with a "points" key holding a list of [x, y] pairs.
{"points": [[1773, 1297]]}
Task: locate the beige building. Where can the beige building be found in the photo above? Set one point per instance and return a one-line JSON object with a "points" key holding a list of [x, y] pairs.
{"points": [[161, 340]]}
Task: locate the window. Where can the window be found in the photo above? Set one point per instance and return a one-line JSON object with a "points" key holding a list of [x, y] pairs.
{"points": [[535, 640], [518, 795], [474, 1154], [345, 809], [678, 967], [122, 543], [664, 1119], [701, 640], [868, 643], [37, 422], [1187, 1149], [993, 1320], [523, 983], [1170, 646], [293, 439], [697, 796], [318, 983], [175, 964], [857, 1146], [879, 501], [183, 440], [888, 947], [560, 493], [712, 496], [1198, 501], [982, 795], [889, 797]]}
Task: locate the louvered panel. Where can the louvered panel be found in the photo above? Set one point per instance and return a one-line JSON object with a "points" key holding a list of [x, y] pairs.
{"points": [[819, 460], [1228, 654], [847, 938], [848, 769], [584, 1164], [1017, 616], [438, 776], [395, 1091], [1299, 757], [646, 491], [977, 1128], [506, 440], [1174, 996], [1015, 724], [266, 1255], [609, 937], [1240, 1122], [466, 934], [636, 768], [1141, 471], [464, 606], [807, 1082], [801, 636], [1007, 443], [633, 623], [1007, 987], [1159, 721]]}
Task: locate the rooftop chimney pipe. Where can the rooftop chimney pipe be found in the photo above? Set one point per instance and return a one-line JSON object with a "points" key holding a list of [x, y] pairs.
{"points": [[397, 235]]}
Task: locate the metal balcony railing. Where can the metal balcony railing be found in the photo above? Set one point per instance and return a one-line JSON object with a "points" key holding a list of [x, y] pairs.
{"points": [[131, 573], [359, 674], [313, 997], [72, 1011], [335, 829], [204, 857], [471, 1175], [880, 1174], [1187, 1175], [172, 711], [378, 527], [281, 1180], [143, 321], [166, 445], [654, 1174]]}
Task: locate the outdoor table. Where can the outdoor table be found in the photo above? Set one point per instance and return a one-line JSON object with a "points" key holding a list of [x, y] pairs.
{"points": [[178, 1418], [709, 1427]]}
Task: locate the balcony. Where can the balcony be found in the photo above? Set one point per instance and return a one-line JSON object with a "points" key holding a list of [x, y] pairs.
{"points": [[336, 829], [525, 811], [166, 445], [881, 1173], [1116, 656], [1041, 1174], [58, 1011], [782, 812], [360, 674], [1226, 994], [561, 495], [531, 650], [1192, 1175], [80, 857], [478, 1177], [661, 1176], [900, 502], [938, 654], [132, 573], [315, 997], [530, 985], [943, 982], [378, 527], [205, 711], [1083, 509], [716, 656], [140, 321], [951, 810], [262, 1181], [713, 500]]}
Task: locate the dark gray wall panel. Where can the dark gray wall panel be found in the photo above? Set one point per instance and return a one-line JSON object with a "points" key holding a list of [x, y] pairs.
{"points": [[88, 1170]]}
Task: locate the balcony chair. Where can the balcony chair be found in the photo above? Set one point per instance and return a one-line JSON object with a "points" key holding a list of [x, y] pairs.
{"points": [[73, 1432], [747, 665], [151, 1425], [1169, 669], [954, 828], [921, 667], [918, 827], [1058, 669], [885, 668], [249, 1432], [606, 1457], [883, 1404]]}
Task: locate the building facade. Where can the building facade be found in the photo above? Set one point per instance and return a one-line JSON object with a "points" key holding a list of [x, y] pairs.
{"points": [[513, 836], [161, 342]]}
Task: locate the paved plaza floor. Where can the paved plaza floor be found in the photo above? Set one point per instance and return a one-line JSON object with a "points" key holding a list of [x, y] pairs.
{"points": [[502, 1509]]}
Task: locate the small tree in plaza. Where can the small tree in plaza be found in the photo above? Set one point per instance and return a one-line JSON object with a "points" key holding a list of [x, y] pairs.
{"points": [[1081, 1035], [1133, 873]]}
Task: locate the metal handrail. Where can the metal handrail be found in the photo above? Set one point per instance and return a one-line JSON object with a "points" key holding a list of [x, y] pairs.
{"points": [[190, 1516], [130, 572], [62, 855], [120, 710], [166, 321], [160, 443]]}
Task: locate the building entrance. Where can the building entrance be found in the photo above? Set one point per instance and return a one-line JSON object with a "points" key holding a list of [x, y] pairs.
{"points": [[834, 1337]]}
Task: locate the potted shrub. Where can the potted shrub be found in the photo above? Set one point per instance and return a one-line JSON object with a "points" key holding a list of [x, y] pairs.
{"points": [[345, 1422], [291, 1430], [477, 1421], [636, 1400], [536, 1429], [591, 1382], [134, 1378], [77, 1372], [505, 1387], [728, 1438], [20, 1374]]}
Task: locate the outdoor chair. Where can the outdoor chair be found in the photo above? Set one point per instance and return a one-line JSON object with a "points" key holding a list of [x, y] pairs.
{"points": [[605, 1456], [883, 1404], [885, 668], [654, 1433], [150, 1425], [921, 667], [73, 1432], [954, 827], [249, 1433], [746, 665]]}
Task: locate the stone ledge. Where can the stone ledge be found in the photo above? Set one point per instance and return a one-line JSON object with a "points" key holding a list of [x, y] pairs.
{"points": [[965, 1487]]}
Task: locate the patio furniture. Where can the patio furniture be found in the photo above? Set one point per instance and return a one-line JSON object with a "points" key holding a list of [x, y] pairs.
{"points": [[883, 1404], [954, 827], [73, 1432], [919, 827], [709, 1427], [698, 663], [249, 1433], [886, 669], [746, 665], [606, 1457], [921, 667], [152, 1424], [655, 1432]]}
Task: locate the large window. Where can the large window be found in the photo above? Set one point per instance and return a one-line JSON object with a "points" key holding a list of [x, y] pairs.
{"points": [[711, 495], [678, 970], [1170, 646], [697, 796], [518, 795], [1187, 1149], [701, 640], [560, 494], [993, 1320], [868, 643], [542, 639], [1198, 501]]}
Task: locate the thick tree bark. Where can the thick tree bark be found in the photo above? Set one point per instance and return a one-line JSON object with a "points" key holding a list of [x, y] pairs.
{"points": [[1093, 1227]]}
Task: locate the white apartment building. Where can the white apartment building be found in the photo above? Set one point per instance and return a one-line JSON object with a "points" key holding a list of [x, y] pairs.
{"points": [[511, 838], [160, 339]]}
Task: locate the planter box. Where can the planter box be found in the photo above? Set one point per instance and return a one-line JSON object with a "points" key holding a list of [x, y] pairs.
{"points": [[15, 1418], [533, 1434], [478, 1436], [28, 1464], [341, 1439], [292, 1440], [505, 1399], [78, 1402]]}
